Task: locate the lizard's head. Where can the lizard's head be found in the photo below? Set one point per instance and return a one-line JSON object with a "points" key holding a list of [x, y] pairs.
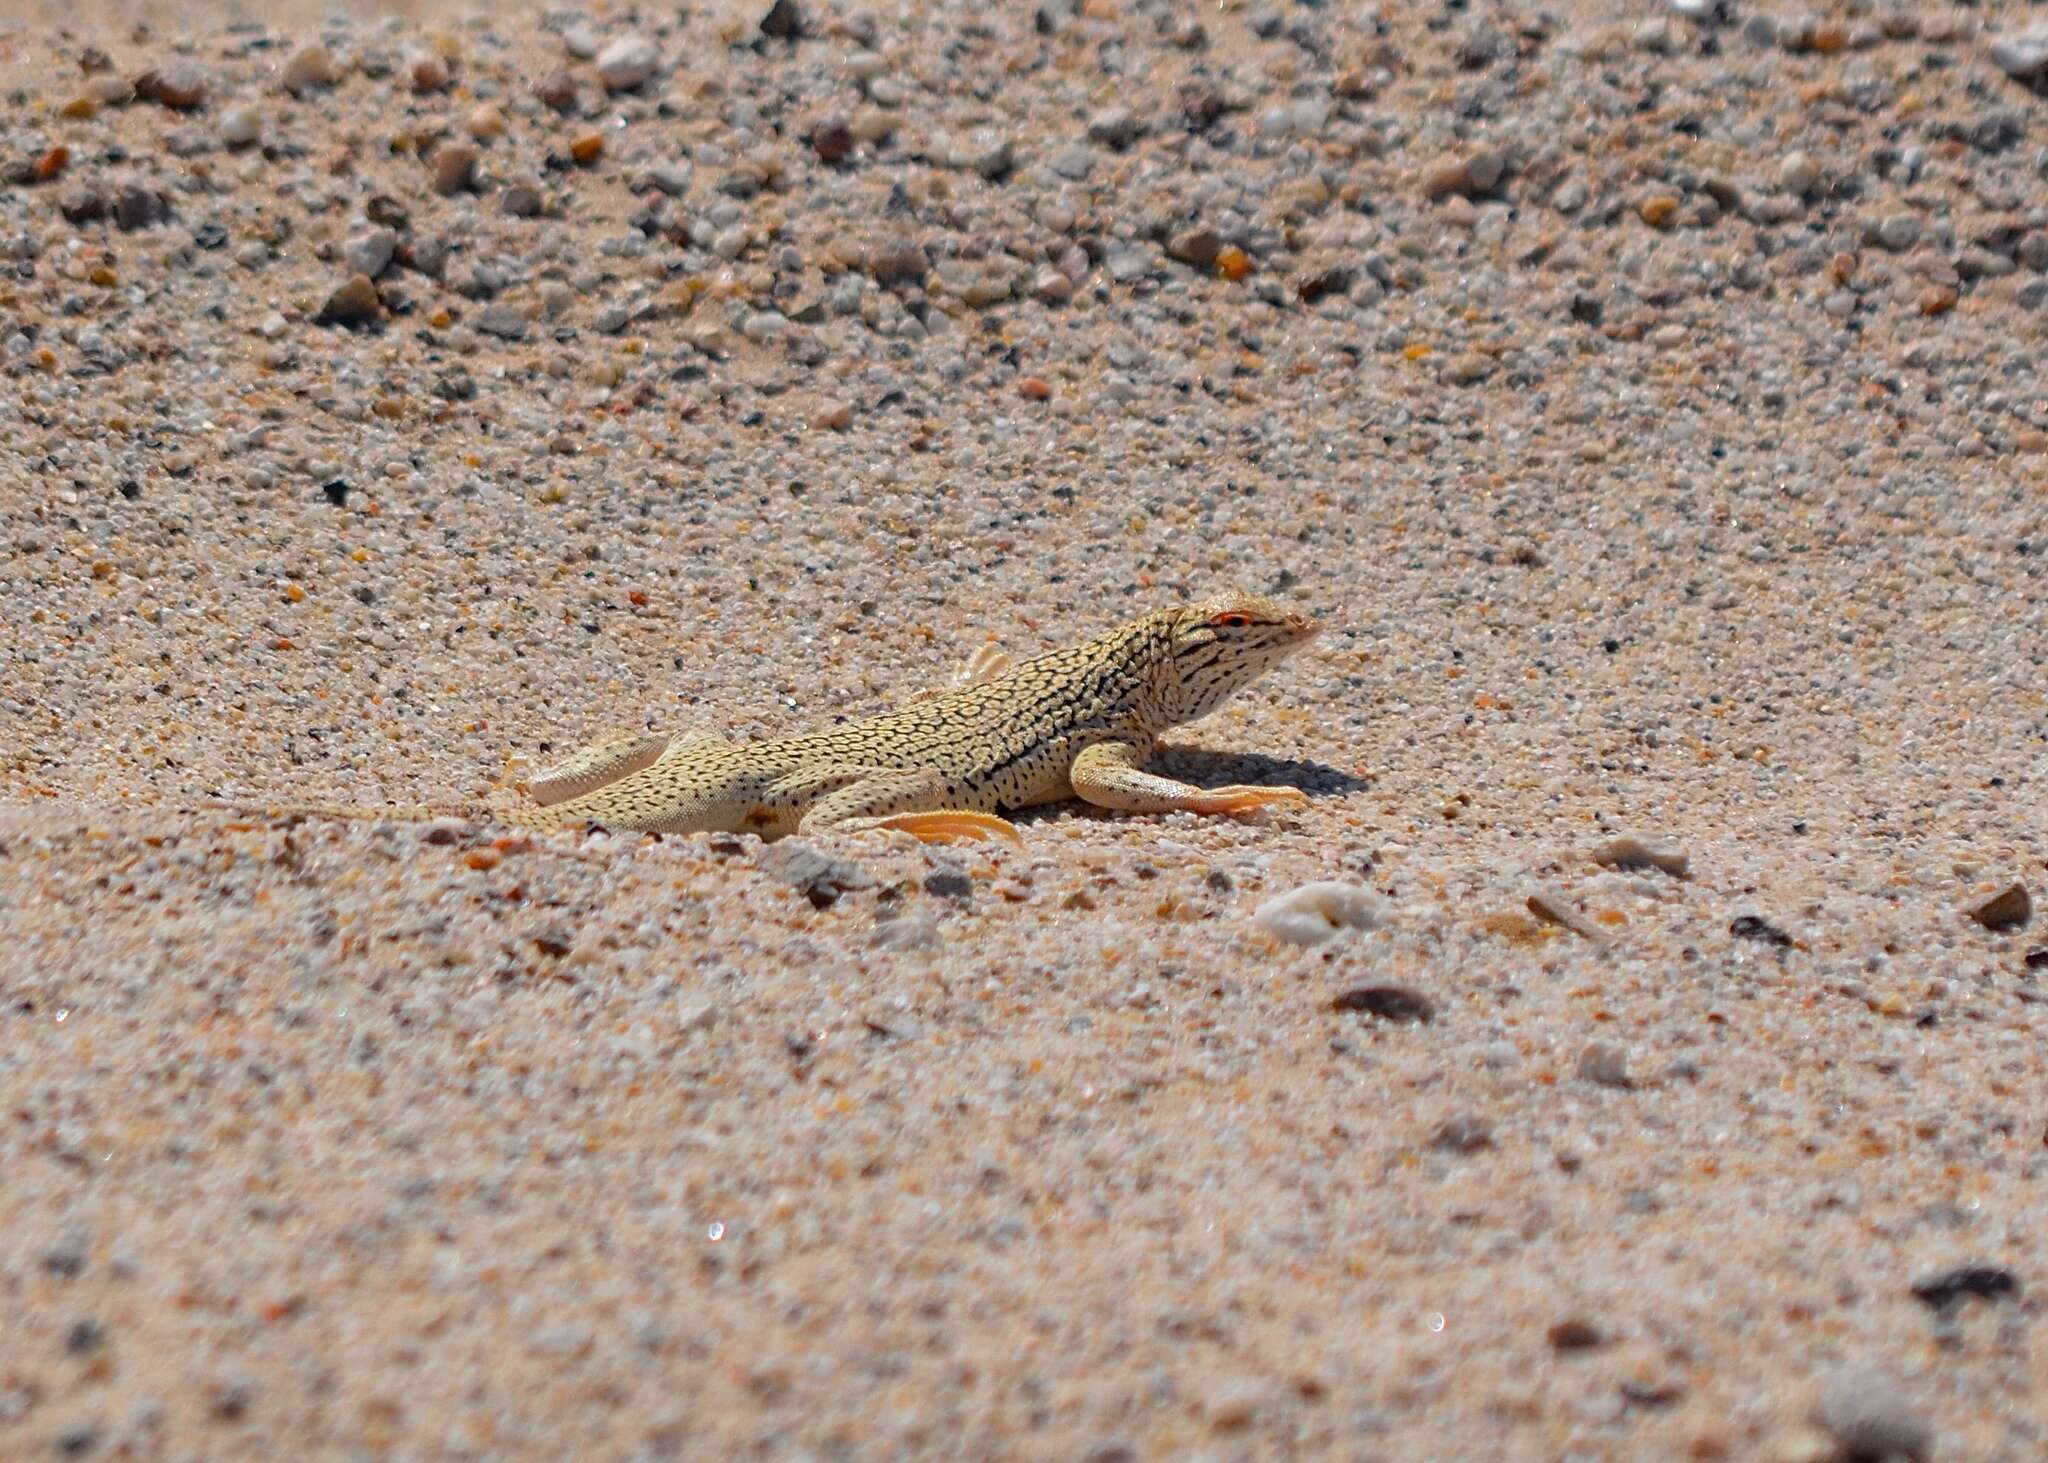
{"points": [[1224, 644]]}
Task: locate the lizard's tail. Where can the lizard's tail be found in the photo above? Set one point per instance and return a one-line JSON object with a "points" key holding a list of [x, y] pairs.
{"points": [[475, 812]]}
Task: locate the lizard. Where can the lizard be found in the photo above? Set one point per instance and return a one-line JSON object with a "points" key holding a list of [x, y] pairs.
{"points": [[1076, 722]]}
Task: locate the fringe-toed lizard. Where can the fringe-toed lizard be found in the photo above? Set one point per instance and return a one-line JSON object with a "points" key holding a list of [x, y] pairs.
{"points": [[1078, 722]]}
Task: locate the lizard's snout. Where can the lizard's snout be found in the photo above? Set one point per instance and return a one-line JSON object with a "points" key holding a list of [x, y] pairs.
{"points": [[1302, 625]]}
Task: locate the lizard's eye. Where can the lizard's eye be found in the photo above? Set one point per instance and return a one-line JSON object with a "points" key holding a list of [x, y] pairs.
{"points": [[1232, 619]]}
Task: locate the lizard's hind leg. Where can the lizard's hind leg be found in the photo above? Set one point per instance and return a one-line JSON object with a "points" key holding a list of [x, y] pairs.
{"points": [[604, 762], [912, 802]]}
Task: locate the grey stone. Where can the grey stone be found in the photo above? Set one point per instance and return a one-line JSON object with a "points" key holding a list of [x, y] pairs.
{"points": [[1866, 1411], [2022, 55], [1115, 127], [1074, 163], [369, 253], [506, 321]]}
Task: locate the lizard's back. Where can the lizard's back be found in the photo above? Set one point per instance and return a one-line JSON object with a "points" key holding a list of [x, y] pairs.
{"points": [[1008, 742]]}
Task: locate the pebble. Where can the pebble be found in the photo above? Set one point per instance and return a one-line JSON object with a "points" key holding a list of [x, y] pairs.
{"points": [[558, 90], [783, 21], [486, 123], [764, 326], [1461, 1133], [1797, 174], [1946, 1288], [1197, 246], [1472, 176], [991, 154], [897, 259], [1605, 1064], [139, 208], [179, 85], [1937, 299], [1575, 1333], [1869, 1415], [428, 70], [1236, 1404], [2023, 55], [2009, 909], [1115, 127], [1127, 262], [1555, 907], [831, 138], [369, 254], [582, 40], [1073, 163], [310, 69], [454, 167], [520, 200], [355, 302], [1627, 851], [672, 179], [819, 877], [1052, 286], [505, 321], [241, 125], [627, 61], [1315, 912], [1757, 928], [1388, 1002], [1899, 232]]}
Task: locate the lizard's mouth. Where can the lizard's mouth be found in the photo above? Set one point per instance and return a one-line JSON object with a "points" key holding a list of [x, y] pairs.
{"points": [[1302, 629]]}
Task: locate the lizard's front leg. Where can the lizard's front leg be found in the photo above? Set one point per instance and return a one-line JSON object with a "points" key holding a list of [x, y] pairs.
{"points": [[911, 801], [1109, 775]]}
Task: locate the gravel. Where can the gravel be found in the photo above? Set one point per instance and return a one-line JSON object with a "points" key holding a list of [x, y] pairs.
{"points": [[1648, 405]]}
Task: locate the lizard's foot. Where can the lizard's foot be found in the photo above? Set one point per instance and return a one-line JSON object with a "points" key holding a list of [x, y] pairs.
{"points": [[947, 826], [1246, 799]]}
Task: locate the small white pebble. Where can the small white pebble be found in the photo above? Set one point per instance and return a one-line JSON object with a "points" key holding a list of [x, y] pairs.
{"points": [[1314, 912]]}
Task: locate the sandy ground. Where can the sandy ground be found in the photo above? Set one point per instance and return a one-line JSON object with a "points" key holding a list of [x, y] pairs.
{"points": [[1651, 404]]}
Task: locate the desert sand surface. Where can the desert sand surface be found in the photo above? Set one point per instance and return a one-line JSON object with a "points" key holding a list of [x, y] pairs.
{"points": [[1647, 399]]}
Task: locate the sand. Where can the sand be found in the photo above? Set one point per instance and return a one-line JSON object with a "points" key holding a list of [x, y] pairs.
{"points": [[1649, 403]]}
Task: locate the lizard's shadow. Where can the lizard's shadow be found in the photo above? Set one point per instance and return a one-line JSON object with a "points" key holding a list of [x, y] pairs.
{"points": [[1207, 768]]}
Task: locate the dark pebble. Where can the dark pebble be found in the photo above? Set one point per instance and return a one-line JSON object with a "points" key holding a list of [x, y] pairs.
{"points": [[1312, 287], [948, 884], [139, 208], [1461, 1134], [552, 941], [2009, 909], [1575, 1334], [1751, 927], [1948, 1287], [1388, 1002], [819, 877]]}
